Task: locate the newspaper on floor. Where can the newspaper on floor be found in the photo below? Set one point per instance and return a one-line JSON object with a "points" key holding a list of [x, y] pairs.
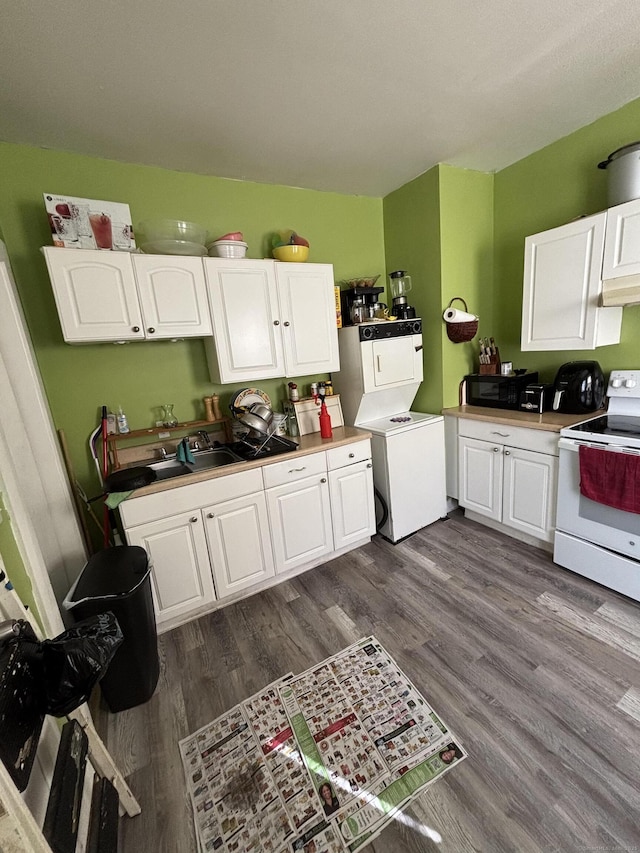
{"points": [[369, 739], [316, 763]]}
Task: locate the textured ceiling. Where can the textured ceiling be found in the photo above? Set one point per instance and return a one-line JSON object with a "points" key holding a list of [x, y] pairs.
{"points": [[356, 97]]}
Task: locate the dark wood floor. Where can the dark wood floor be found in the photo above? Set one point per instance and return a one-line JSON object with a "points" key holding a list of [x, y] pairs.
{"points": [[536, 669]]}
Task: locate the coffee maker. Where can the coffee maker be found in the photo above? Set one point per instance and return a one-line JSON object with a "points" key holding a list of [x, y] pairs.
{"points": [[400, 285]]}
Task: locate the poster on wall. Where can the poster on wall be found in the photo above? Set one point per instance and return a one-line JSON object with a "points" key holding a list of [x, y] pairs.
{"points": [[85, 223]]}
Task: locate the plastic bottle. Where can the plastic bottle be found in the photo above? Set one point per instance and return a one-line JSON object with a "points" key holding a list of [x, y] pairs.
{"points": [[123, 423], [325, 422]]}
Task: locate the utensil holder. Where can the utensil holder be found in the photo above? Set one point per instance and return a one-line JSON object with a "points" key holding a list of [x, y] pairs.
{"points": [[461, 333], [493, 366]]}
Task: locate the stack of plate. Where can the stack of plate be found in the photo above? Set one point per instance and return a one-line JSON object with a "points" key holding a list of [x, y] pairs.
{"points": [[243, 399]]}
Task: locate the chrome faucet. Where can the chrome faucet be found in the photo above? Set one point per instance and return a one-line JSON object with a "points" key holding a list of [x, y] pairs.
{"points": [[206, 440]]}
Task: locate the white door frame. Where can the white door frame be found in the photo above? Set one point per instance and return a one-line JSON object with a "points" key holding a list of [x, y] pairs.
{"points": [[31, 461]]}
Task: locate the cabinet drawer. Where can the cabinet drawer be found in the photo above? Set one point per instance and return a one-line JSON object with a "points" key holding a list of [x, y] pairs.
{"points": [[338, 457], [541, 441], [294, 469], [184, 498]]}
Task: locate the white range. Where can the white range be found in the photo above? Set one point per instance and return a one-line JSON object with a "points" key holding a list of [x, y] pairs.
{"points": [[593, 538]]}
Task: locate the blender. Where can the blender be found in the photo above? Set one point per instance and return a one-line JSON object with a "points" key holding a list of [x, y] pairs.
{"points": [[400, 285]]}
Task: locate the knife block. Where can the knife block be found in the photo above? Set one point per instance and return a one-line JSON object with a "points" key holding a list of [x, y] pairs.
{"points": [[492, 367]]}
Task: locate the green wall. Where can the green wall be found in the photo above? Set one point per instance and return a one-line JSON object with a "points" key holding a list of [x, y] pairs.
{"points": [[551, 187], [439, 227], [412, 243], [466, 228], [343, 230]]}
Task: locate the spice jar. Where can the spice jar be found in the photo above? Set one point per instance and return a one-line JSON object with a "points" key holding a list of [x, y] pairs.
{"points": [[293, 392]]}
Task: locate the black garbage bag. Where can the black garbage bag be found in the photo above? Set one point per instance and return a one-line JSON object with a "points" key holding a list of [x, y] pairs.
{"points": [[76, 660]]}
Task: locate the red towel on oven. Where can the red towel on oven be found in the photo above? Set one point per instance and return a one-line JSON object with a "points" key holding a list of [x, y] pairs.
{"points": [[611, 478]]}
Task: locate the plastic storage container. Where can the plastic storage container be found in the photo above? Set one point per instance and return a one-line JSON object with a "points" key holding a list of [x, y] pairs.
{"points": [[119, 579]]}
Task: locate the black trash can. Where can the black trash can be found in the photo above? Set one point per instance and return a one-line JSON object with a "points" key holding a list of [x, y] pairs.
{"points": [[119, 579]]}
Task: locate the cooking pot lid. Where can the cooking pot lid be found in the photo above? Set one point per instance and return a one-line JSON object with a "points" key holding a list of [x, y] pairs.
{"points": [[619, 152]]}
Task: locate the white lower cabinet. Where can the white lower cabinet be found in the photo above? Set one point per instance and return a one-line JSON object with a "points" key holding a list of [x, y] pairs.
{"points": [[219, 537], [181, 578], [509, 475], [300, 516], [352, 506], [239, 543]]}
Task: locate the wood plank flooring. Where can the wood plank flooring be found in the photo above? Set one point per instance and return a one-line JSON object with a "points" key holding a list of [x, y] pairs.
{"points": [[536, 670]]}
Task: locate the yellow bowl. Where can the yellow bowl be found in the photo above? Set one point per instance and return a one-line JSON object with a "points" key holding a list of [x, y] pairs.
{"points": [[290, 253]]}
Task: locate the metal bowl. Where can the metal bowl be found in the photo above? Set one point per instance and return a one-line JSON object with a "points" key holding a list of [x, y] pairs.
{"points": [[262, 412], [255, 423]]}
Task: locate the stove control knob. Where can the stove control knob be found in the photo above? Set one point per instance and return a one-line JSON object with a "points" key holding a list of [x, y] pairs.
{"points": [[616, 383], [629, 383]]}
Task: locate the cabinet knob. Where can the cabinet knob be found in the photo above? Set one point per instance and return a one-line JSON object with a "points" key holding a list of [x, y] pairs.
{"points": [[193, 519], [507, 453], [323, 480], [135, 329], [369, 464], [351, 455], [151, 330], [496, 450], [286, 323], [210, 515], [276, 322]]}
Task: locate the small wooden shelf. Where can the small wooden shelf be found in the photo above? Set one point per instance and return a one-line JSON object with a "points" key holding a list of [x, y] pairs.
{"points": [[122, 439], [158, 431]]}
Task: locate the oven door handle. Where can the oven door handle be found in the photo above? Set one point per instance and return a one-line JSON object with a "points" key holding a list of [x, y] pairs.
{"points": [[573, 445]]}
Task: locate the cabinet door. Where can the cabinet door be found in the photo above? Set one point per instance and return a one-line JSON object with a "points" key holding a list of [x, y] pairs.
{"points": [[480, 477], [352, 506], [529, 492], [181, 572], [308, 316], [96, 295], [239, 543], [173, 296], [247, 335], [622, 241], [300, 521], [562, 283]]}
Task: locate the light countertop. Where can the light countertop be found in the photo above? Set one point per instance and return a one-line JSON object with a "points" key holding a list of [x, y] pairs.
{"points": [[311, 443], [550, 421]]}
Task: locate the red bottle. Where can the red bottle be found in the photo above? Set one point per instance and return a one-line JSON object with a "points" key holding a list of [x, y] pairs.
{"points": [[325, 422]]}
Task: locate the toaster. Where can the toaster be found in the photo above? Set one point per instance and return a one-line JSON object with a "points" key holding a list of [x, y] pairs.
{"points": [[537, 398]]}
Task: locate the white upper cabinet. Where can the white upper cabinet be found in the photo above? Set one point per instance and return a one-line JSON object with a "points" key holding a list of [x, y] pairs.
{"points": [[95, 294], [116, 296], [173, 296], [246, 343], [622, 241], [270, 319], [308, 315], [562, 286]]}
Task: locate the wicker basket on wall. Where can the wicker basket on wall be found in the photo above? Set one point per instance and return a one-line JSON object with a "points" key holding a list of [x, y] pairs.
{"points": [[461, 333]]}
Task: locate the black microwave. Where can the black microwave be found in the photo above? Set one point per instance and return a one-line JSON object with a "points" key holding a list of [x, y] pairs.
{"points": [[495, 390]]}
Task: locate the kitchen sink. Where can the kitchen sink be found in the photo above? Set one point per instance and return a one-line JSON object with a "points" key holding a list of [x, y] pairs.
{"points": [[204, 460], [215, 458], [169, 468]]}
